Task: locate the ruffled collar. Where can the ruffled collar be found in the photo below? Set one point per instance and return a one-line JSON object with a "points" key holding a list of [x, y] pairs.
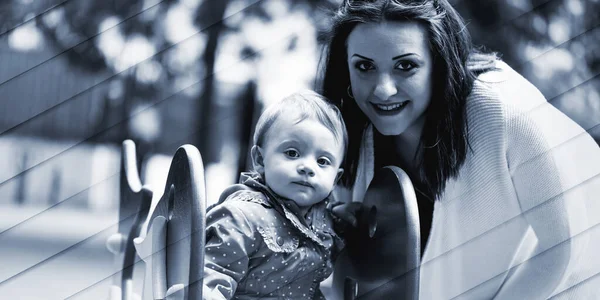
{"points": [[314, 225]]}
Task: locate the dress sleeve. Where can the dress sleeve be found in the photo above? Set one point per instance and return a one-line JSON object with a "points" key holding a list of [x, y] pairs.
{"points": [[541, 153], [231, 239]]}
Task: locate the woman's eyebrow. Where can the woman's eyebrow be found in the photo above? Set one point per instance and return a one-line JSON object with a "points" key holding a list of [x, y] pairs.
{"points": [[403, 55], [363, 57], [393, 58]]}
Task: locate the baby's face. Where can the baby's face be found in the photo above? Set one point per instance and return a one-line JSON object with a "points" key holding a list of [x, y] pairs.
{"points": [[301, 160]]}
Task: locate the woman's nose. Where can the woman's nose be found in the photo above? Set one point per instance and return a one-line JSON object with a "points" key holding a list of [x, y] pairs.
{"points": [[385, 88], [305, 169]]}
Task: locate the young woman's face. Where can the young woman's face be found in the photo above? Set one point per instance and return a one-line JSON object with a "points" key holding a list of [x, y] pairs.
{"points": [[391, 73]]}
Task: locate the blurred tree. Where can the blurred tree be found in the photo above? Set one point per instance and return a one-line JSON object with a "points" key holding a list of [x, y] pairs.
{"points": [[552, 42], [75, 30], [94, 36], [251, 112], [210, 16], [20, 192]]}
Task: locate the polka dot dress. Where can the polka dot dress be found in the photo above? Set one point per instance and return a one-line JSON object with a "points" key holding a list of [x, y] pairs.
{"points": [[258, 247]]}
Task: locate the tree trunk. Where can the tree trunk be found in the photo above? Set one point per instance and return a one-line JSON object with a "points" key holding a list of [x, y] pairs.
{"points": [[210, 17], [249, 118]]}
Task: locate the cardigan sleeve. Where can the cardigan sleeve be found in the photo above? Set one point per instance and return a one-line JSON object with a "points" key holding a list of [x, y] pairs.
{"points": [[231, 239], [540, 153]]}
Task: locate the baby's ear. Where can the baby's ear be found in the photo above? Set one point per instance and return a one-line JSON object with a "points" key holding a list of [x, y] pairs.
{"points": [[339, 175], [257, 159]]}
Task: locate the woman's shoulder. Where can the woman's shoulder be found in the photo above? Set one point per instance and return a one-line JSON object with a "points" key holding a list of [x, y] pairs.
{"points": [[505, 86], [502, 100], [500, 94], [503, 97]]}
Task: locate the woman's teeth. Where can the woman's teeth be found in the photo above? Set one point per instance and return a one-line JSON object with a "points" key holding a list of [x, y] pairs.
{"points": [[391, 107]]}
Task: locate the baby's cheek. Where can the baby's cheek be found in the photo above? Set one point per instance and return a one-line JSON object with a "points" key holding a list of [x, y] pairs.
{"points": [[331, 180], [326, 189], [276, 187]]}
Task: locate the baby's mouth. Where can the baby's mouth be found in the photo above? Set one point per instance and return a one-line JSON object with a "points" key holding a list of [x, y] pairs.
{"points": [[303, 183]]}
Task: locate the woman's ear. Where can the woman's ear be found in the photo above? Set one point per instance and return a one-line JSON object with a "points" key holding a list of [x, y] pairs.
{"points": [[257, 159], [339, 175]]}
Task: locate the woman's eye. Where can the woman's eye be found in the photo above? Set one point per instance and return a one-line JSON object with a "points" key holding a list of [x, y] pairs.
{"points": [[323, 161], [291, 153], [405, 65], [364, 66]]}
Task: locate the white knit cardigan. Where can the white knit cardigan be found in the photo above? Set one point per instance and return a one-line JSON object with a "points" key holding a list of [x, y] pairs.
{"points": [[519, 221]]}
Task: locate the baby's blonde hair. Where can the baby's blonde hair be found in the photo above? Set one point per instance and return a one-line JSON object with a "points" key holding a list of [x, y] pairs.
{"points": [[306, 105]]}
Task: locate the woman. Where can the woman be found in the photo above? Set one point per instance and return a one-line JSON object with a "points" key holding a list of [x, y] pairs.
{"points": [[506, 184]]}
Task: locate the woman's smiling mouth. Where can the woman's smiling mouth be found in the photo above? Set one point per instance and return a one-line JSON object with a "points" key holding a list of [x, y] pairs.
{"points": [[391, 108]]}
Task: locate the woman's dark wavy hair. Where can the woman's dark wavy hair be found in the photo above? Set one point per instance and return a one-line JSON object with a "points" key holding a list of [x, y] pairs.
{"points": [[443, 145]]}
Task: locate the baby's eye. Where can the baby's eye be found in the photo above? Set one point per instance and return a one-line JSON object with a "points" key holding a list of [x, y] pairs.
{"points": [[323, 161], [291, 153], [364, 66], [405, 65]]}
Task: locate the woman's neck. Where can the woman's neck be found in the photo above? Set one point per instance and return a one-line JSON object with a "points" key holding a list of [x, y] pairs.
{"points": [[407, 143]]}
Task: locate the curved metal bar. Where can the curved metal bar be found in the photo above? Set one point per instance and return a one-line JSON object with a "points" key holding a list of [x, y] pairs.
{"points": [[134, 203], [183, 206], [384, 262], [129, 166]]}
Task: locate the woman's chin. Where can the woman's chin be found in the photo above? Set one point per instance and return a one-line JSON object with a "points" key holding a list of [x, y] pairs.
{"points": [[390, 129]]}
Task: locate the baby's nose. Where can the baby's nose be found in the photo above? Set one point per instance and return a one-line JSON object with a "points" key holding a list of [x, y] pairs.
{"points": [[305, 170]]}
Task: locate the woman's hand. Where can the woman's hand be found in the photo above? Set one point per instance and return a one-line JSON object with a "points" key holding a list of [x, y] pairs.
{"points": [[352, 218], [346, 212]]}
